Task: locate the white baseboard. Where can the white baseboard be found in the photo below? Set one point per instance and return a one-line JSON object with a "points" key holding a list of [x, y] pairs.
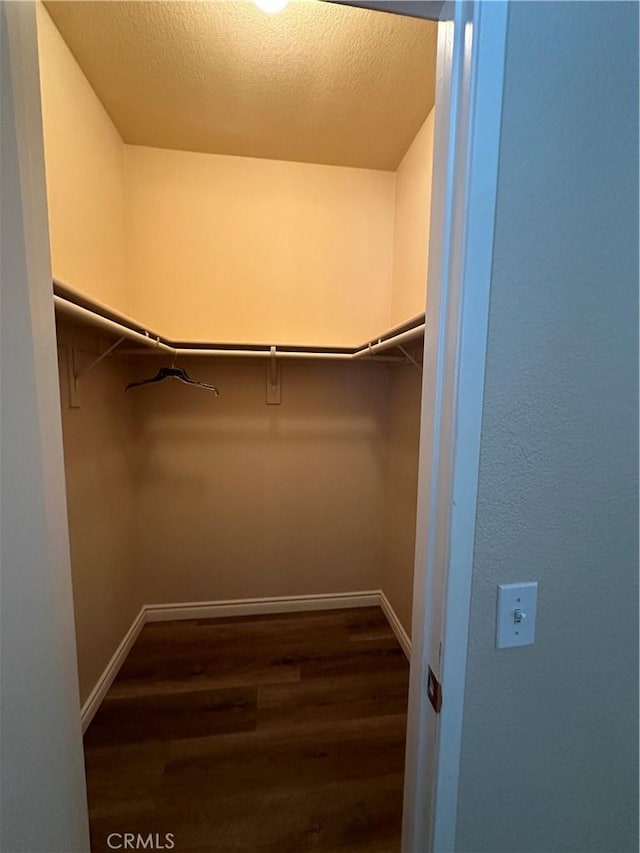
{"points": [[106, 679], [396, 625], [238, 607], [257, 606]]}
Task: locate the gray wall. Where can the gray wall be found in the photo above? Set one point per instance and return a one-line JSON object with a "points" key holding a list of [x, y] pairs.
{"points": [[550, 747]]}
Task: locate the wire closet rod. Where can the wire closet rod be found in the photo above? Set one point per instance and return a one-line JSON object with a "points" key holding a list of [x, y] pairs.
{"points": [[369, 350]]}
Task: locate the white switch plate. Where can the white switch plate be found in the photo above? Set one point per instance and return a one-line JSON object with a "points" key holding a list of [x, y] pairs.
{"points": [[516, 618]]}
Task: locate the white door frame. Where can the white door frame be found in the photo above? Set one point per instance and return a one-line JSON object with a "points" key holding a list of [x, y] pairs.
{"points": [[43, 791], [469, 91]]}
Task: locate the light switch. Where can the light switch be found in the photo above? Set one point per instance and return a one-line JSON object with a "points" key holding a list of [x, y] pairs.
{"points": [[516, 618]]}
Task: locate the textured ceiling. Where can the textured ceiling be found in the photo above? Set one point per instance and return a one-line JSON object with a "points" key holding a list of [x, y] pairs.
{"points": [[319, 82]]}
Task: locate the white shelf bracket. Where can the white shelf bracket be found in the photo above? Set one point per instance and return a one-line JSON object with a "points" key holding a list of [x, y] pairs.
{"points": [[74, 373], [274, 383], [72, 378], [410, 358]]}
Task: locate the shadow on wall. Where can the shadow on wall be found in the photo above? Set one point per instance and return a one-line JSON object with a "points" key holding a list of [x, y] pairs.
{"points": [[239, 499]]}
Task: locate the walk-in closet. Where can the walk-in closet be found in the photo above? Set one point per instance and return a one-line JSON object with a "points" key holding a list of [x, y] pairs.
{"points": [[239, 216]]}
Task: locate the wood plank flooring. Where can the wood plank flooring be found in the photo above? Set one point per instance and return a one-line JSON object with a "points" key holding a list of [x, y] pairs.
{"points": [[272, 733]]}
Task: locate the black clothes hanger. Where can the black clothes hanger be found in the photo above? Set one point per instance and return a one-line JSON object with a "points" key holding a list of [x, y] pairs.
{"points": [[178, 373]]}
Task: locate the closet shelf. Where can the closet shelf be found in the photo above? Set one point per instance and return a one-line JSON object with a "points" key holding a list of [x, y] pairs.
{"points": [[85, 310]]}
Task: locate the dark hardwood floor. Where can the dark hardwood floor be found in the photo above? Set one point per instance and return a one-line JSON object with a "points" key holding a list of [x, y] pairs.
{"points": [[273, 733]]}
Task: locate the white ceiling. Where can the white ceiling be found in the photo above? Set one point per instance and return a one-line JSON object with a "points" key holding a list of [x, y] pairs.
{"points": [[319, 82]]}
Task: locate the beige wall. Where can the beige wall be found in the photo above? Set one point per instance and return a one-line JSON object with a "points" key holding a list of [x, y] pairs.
{"points": [[231, 498], [239, 499], [228, 249], [412, 220], [408, 298], [175, 495], [100, 463], [401, 490], [264, 251], [84, 158]]}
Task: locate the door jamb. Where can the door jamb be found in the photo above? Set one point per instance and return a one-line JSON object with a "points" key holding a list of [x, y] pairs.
{"points": [[471, 59], [44, 800]]}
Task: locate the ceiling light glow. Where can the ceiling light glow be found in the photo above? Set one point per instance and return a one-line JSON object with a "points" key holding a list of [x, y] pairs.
{"points": [[271, 7]]}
